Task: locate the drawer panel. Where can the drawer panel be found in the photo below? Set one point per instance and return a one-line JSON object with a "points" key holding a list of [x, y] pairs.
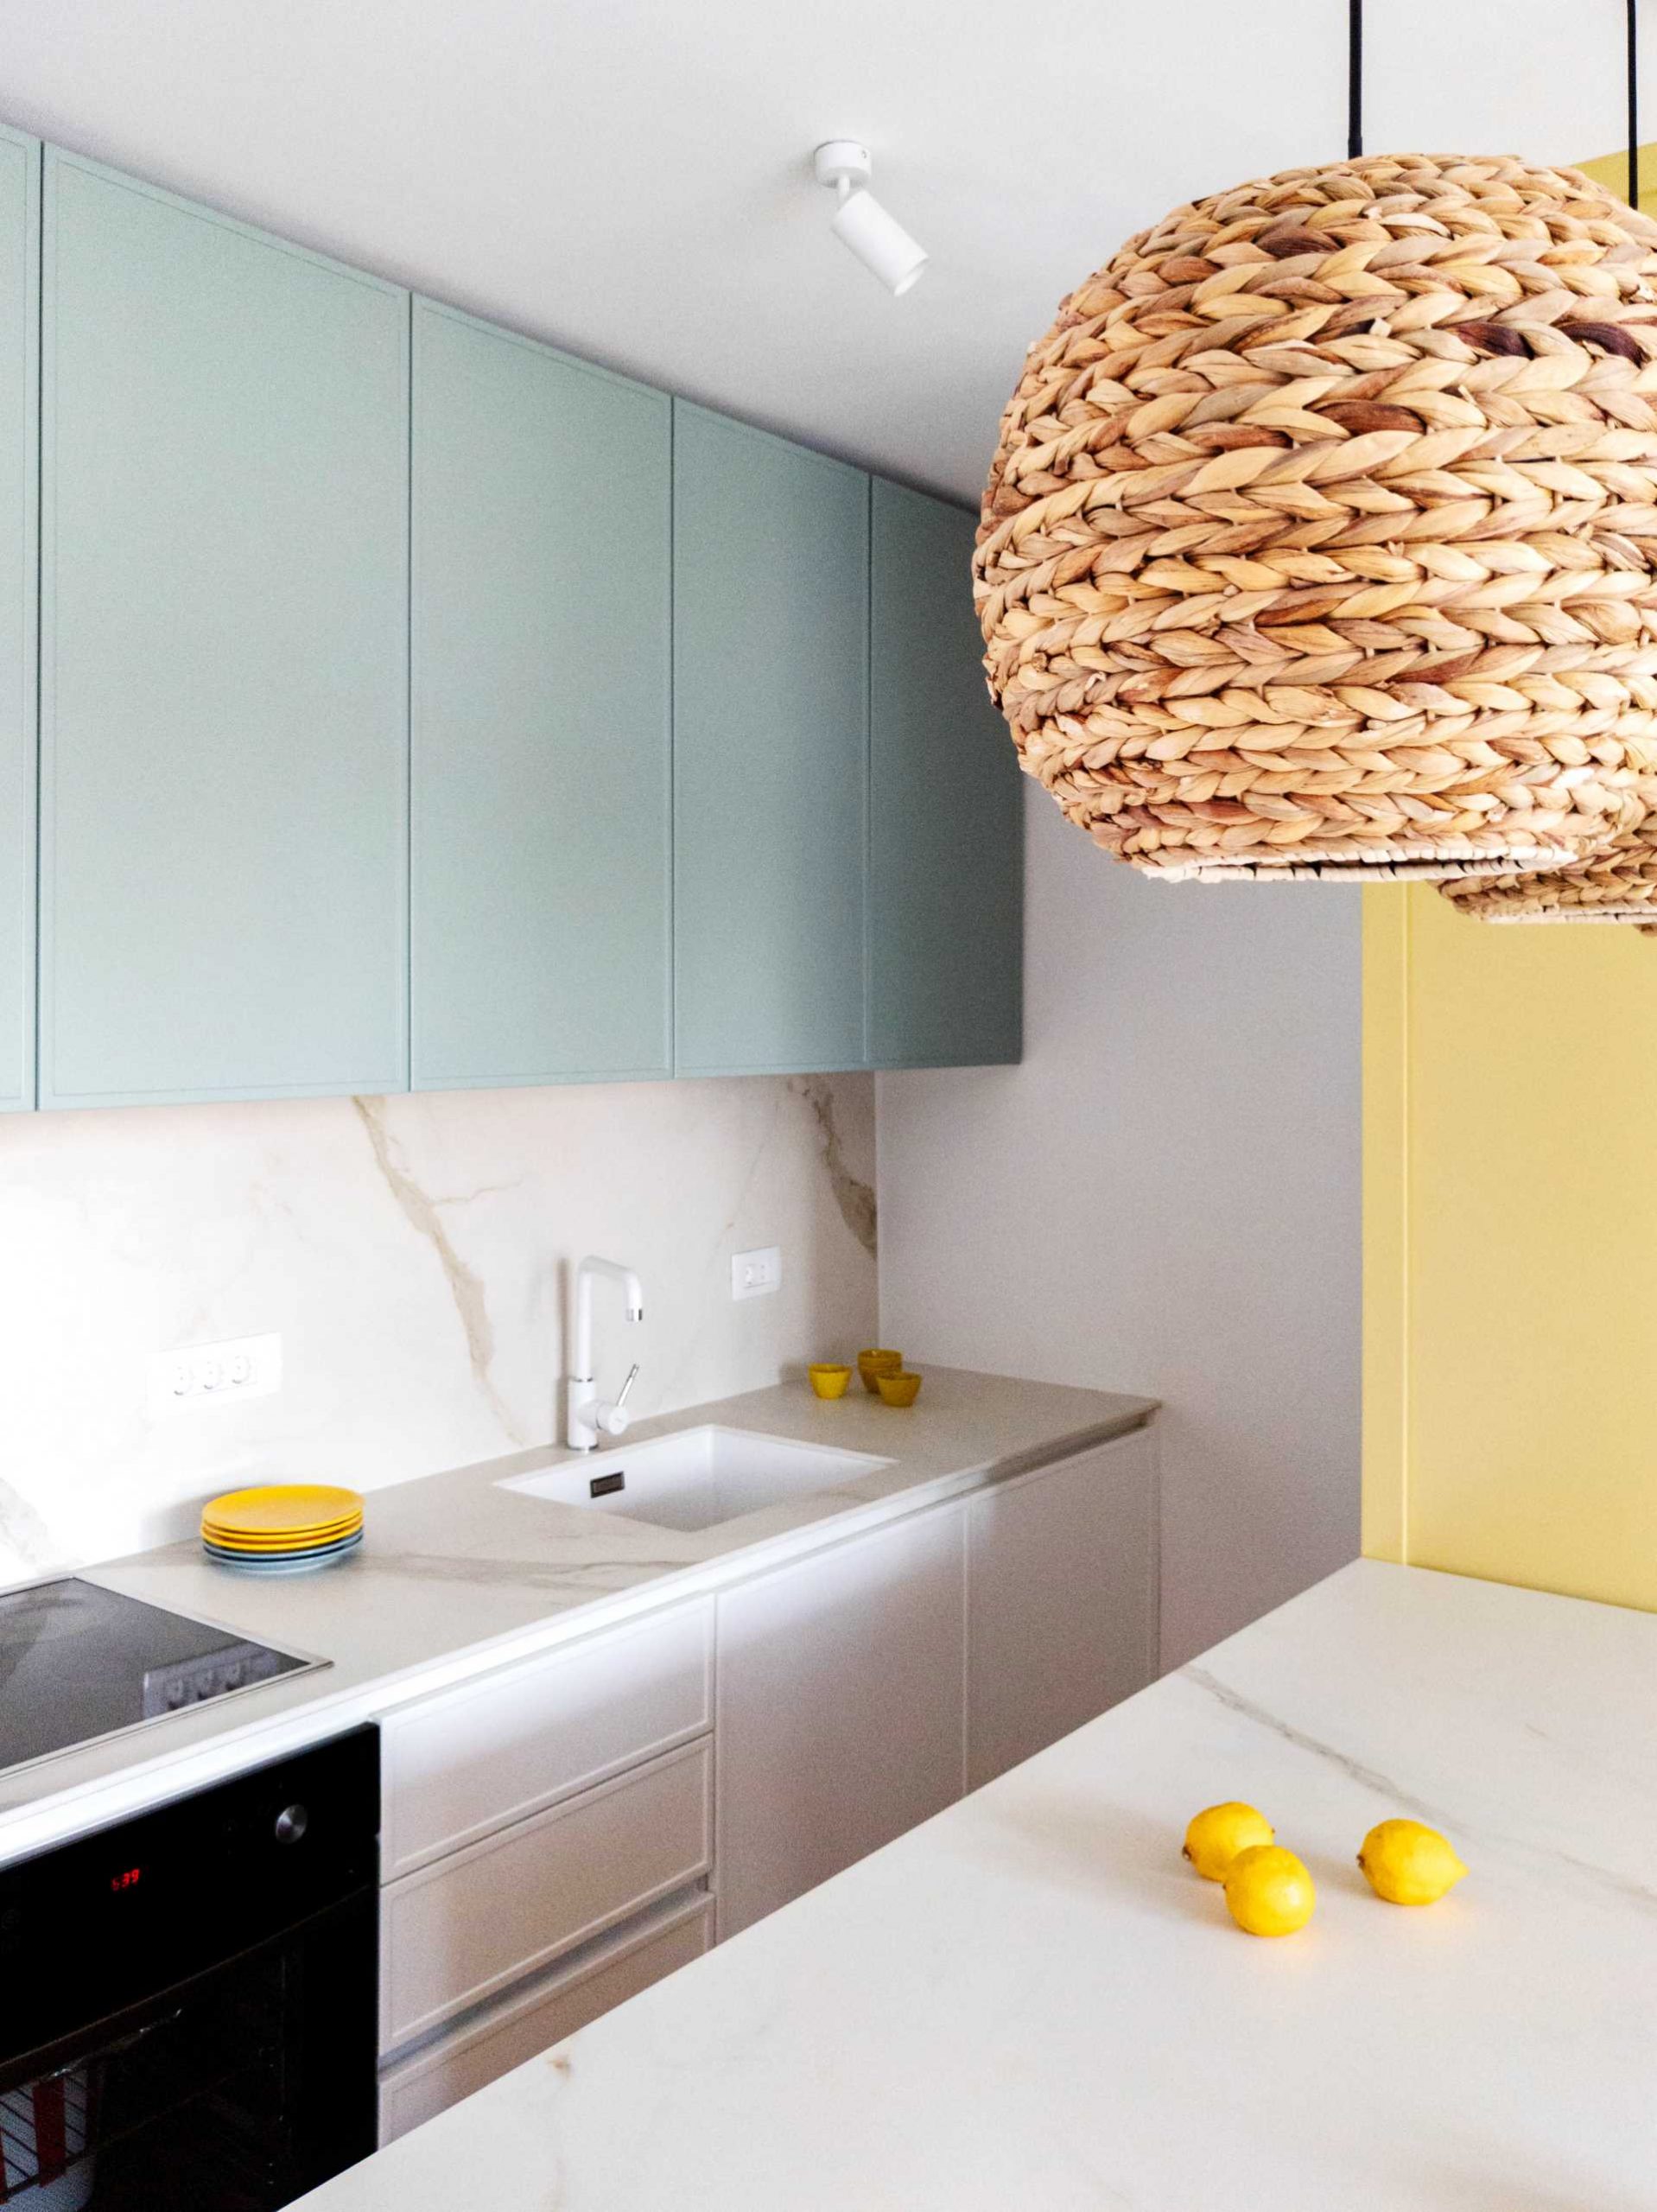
{"points": [[477, 1758], [458, 1932], [525, 2022]]}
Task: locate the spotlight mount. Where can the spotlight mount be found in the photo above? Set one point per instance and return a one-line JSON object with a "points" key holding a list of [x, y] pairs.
{"points": [[860, 223]]}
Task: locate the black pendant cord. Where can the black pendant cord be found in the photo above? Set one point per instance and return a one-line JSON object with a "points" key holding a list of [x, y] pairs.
{"points": [[1634, 102]]}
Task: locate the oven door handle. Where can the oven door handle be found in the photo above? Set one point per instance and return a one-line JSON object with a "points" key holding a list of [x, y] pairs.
{"points": [[122, 2044]]}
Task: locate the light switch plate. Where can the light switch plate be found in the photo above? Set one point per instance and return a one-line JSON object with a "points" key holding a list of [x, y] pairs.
{"points": [[757, 1275], [215, 1374]]}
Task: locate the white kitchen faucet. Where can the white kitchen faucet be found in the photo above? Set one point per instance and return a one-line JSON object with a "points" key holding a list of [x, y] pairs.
{"points": [[587, 1416]]}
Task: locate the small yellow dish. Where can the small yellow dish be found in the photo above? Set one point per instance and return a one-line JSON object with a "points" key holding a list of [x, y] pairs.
{"points": [[829, 1378], [900, 1390], [875, 1363]]}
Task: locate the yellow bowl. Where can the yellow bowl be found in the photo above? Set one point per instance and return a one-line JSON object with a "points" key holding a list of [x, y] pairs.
{"points": [[900, 1390], [829, 1378], [875, 1363]]}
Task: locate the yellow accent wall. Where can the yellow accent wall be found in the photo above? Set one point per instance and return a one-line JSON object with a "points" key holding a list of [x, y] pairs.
{"points": [[1612, 171], [1510, 1248]]}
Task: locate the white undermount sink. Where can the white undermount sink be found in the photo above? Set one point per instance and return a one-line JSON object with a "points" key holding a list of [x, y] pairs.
{"points": [[698, 1476]]}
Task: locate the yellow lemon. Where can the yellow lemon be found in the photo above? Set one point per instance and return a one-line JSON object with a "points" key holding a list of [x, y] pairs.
{"points": [[1215, 1837], [1269, 1891], [1408, 1864]]}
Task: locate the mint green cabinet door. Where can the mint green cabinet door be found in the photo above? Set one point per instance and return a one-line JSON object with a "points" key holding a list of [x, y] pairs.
{"points": [[20, 230], [224, 670], [770, 751], [542, 763], [946, 839]]}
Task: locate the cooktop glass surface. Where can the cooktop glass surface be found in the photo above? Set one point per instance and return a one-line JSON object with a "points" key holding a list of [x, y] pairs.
{"points": [[78, 1662]]}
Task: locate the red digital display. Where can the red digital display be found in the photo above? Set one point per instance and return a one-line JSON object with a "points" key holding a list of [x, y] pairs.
{"points": [[128, 1879]]}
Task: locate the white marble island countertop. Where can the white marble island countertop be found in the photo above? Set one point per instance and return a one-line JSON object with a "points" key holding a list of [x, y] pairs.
{"points": [[456, 1573], [1031, 2002]]}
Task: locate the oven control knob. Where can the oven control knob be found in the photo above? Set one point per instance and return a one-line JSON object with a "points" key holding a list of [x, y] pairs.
{"points": [[291, 1823]]}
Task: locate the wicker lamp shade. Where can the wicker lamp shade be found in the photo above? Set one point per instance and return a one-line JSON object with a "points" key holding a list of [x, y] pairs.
{"points": [[1620, 885], [1320, 533]]}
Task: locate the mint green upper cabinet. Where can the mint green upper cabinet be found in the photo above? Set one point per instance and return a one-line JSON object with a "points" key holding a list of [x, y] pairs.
{"points": [[946, 847], [770, 751], [224, 668], [20, 186], [541, 765]]}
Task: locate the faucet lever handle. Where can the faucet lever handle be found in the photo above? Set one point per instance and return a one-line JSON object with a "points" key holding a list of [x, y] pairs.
{"points": [[632, 1377]]}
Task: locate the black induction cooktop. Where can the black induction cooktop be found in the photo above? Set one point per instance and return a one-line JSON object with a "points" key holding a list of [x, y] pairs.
{"points": [[78, 1661]]}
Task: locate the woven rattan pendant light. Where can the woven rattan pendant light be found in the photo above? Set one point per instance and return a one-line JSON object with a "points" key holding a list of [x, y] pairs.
{"points": [[1319, 537], [1620, 885]]}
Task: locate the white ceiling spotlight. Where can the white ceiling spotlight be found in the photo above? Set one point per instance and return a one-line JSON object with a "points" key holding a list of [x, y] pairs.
{"points": [[880, 242]]}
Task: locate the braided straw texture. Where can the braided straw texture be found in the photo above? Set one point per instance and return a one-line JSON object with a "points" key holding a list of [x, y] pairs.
{"points": [[1620, 885], [1320, 530]]}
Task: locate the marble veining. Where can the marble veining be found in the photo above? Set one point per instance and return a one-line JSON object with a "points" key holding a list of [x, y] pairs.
{"points": [[1246, 1709], [1029, 2001], [853, 1195], [424, 1216], [414, 1253], [1398, 1800], [24, 1535]]}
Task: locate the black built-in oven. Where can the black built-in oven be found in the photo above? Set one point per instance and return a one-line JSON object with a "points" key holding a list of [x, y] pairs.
{"points": [[187, 2021]]}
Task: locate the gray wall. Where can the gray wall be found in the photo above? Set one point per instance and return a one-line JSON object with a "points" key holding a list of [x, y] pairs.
{"points": [[1165, 1198]]}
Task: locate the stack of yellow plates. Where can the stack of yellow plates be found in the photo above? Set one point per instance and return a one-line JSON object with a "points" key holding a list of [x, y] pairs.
{"points": [[284, 1527]]}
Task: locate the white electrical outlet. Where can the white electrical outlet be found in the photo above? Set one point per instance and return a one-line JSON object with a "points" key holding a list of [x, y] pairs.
{"points": [[757, 1275], [207, 1374]]}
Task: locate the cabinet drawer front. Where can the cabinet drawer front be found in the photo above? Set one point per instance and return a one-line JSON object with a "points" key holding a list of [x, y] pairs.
{"points": [[524, 2024], [456, 1933], [479, 1758]]}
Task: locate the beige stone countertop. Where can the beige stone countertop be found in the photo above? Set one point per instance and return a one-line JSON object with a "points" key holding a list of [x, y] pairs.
{"points": [[456, 1573]]}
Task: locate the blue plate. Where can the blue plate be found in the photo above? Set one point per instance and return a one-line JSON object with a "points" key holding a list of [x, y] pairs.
{"points": [[282, 1562]]}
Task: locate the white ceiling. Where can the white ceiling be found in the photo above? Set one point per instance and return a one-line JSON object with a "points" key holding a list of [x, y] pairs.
{"points": [[631, 178]]}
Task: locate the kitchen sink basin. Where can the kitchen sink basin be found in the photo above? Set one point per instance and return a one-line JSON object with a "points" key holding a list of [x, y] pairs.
{"points": [[697, 1477]]}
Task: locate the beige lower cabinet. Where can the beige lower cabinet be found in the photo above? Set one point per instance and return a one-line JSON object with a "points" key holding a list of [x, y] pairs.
{"points": [[546, 1851], [1061, 1599], [461, 1930], [503, 1746], [863, 1688], [561, 1833], [839, 1712], [531, 2019]]}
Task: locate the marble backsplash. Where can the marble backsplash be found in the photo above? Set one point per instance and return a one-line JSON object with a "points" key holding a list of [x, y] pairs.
{"points": [[414, 1253]]}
